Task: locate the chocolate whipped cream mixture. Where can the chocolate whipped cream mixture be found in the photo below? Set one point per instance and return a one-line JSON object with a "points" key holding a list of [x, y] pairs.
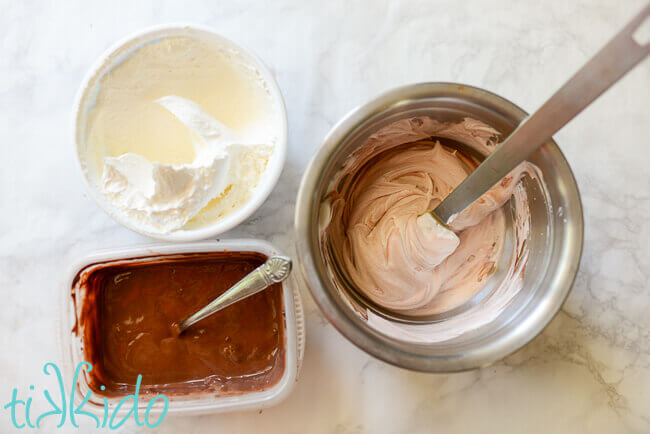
{"points": [[126, 319], [382, 235]]}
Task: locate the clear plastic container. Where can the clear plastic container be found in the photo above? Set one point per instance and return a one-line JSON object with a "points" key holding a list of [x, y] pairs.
{"points": [[71, 343]]}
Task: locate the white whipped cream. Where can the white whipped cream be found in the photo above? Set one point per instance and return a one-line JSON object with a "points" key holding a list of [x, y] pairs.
{"points": [[179, 133], [162, 197]]}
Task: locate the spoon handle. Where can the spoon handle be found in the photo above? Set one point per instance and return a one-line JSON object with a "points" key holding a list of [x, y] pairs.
{"points": [[618, 56], [274, 270]]}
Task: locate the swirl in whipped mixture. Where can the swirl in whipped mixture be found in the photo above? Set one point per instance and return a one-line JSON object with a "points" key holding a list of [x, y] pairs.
{"points": [[393, 250]]}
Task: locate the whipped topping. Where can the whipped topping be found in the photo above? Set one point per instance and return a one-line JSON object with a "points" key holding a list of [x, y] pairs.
{"points": [[179, 134], [163, 197], [396, 253]]}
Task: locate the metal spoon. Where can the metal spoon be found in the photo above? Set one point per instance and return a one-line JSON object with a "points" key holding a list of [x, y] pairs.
{"points": [[618, 56], [274, 270]]}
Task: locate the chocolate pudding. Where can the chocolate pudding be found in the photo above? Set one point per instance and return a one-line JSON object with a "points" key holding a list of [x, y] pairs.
{"points": [[130, 306]]}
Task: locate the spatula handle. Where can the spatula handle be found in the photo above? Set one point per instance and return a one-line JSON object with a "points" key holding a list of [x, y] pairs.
{"points": [[620, 55]]}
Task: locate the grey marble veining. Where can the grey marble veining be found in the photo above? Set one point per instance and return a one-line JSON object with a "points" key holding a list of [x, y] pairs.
{"points": [[589, 371]]}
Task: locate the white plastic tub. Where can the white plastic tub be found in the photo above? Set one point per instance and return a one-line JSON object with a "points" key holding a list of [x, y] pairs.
{"points": [[87, 95], [71, 343]]}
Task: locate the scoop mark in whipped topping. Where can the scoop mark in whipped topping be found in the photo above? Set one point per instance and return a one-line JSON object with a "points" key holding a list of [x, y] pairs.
{"points": [[163, 197]]}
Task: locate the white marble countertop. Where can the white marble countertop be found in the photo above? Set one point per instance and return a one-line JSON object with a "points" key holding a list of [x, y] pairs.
{"points": [[589, 371]]}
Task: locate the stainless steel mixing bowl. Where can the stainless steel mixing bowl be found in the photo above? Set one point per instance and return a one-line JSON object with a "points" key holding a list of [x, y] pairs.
{"points": [[555, 239]]}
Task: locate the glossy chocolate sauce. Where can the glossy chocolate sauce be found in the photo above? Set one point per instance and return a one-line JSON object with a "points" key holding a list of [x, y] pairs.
{"points": [[126, 316]]}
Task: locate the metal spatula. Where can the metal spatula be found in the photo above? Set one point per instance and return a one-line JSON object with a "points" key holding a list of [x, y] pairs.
{"points": [[617, 57]]}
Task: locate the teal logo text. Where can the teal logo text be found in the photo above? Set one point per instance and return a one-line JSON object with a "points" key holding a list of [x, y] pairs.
{"points": [[62, 406]]}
